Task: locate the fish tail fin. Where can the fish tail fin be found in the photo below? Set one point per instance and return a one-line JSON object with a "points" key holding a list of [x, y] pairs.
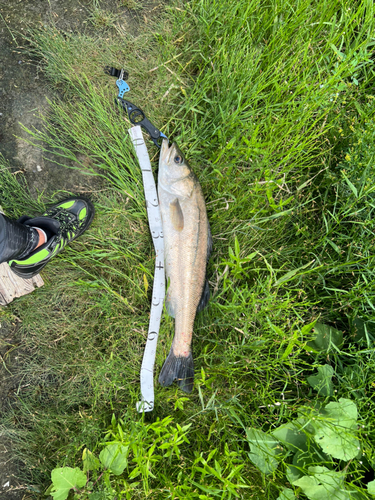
{"points": [[178, 368]]}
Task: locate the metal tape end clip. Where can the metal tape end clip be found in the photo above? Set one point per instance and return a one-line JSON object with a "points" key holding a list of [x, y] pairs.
{"points": [[144, 406]]}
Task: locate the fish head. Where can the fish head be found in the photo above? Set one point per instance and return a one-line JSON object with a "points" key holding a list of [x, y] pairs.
{"points": [[175, 174]]}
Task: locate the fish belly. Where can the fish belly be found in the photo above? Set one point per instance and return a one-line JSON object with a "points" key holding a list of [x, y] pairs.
{"points": [[185, 252]]}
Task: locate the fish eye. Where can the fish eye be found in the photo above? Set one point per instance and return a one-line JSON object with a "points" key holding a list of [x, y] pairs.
{"points": [[178, 159]]}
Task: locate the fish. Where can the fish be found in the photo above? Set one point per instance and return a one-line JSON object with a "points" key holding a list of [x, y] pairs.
{"points": [[187, 248]]}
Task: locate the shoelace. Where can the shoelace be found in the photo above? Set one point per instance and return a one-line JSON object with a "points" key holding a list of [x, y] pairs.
{"points": [[68, 222]]}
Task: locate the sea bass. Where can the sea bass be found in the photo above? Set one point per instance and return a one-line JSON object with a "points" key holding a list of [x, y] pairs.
{"points": [[187, 247]]}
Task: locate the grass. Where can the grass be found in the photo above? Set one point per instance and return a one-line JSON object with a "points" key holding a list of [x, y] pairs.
{"points": [[272, 104]]}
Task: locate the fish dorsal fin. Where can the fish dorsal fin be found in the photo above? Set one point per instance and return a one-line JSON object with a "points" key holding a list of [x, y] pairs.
{"points": [[177, 217]]}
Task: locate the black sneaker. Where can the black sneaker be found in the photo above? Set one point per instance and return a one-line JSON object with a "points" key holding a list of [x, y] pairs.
{"points": [[62, 223]]}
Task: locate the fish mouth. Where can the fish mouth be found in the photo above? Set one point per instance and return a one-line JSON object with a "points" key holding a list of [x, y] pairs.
{"points": [[166, 151]]}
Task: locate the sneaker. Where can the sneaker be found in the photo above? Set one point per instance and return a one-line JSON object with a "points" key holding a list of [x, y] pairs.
{"points": [[62, 223]]}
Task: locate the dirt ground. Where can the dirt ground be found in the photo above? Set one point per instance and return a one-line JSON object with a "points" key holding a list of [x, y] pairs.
{"points": [[23, 97], [24, 91]]}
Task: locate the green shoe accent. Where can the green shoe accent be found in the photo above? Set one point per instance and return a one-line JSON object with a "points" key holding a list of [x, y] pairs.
{"points": [[56, 250], [67, 205], [61, 245], [82, 214], [42, 254]]}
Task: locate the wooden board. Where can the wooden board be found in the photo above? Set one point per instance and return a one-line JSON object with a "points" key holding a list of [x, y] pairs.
{"points": [[12, 286]]}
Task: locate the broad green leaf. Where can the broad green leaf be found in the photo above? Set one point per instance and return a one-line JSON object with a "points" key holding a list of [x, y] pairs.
{"points": [[286, 494], [302, 460], [326, 338], [371, 487], [323, 484], [291, 436], [292, 473], [97, 496], [322, 382], [344, 411], [336, 429], [114, 458], [264, 450], [90, 462], [64, 479]]}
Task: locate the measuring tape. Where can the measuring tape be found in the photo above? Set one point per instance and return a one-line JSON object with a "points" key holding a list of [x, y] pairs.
{"points": [[158, 289]]}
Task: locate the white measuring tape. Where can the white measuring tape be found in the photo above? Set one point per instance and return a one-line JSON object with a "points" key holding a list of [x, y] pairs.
{"points": [[158, 289]]}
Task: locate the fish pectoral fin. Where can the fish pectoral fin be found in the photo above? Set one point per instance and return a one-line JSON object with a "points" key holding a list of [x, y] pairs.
{"points": [[178, 368], [177, 217], [169, 306], [204, 298]]}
